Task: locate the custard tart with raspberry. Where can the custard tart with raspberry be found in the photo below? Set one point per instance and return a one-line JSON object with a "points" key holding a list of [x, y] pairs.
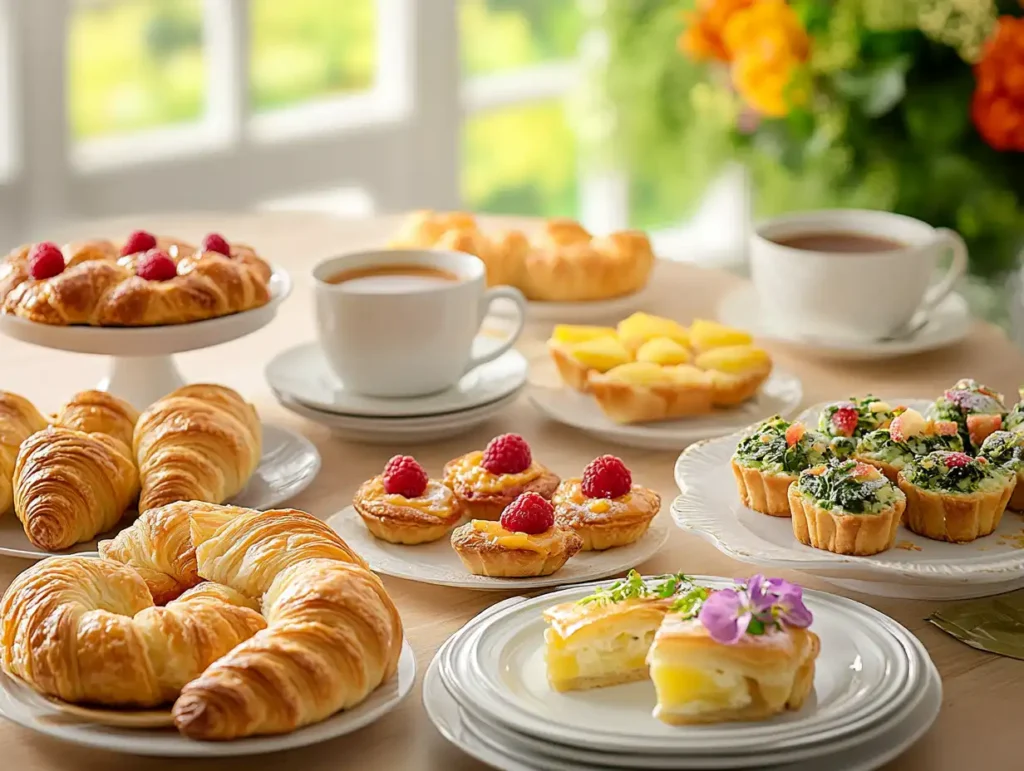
{"points": [[487, 481], [403, 505], [525, 542], [604, 506]]}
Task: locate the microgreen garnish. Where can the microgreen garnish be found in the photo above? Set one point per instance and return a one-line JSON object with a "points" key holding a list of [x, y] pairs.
{"points": [[634, 587]]}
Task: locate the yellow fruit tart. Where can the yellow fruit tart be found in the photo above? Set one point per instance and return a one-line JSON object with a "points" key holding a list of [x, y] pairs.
{"points": [[769, 458], [640, 328], [403, 505], [846, 507], [525, 542], [578, 350], [707, 335], [737, 372], [954, 497], [485, 482], [734, 654], [604, 506], [643, 392]]}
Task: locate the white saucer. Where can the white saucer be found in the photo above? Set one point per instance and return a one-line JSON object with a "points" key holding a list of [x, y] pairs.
{"points": [[781, 394], [288, 465], [397, 430], [575, 313], [302, 375], [437, 563], [948, 324], [22, 705]]}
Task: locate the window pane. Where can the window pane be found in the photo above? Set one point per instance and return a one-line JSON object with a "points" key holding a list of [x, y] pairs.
{"points": [[520, 160], [506, 34], [308, 49], [134, 64]]}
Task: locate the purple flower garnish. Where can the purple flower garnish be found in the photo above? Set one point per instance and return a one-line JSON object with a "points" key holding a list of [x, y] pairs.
{"points": [[725, 616], [761, 605]]}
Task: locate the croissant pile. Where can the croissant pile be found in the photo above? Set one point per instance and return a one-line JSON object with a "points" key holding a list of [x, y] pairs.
{"points": [[74, 475], [144, 281], [250, 622], [564, 263]]}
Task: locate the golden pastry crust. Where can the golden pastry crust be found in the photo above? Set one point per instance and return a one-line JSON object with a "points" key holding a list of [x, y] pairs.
{"points": [[857, 534], [634, 403], [764, 493], [573, 372], [605, 523], [1017, 498], [484, 495], [19, 419], [731, 389], [397, 519], [951, 517], [483, 556], [97, 412]]}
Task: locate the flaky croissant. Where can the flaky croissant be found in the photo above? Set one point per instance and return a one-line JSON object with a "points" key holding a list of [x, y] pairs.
{"points": [[18, 421], [199, 443], [97, 412], [85, 630], [333, 634], [69, 486]]}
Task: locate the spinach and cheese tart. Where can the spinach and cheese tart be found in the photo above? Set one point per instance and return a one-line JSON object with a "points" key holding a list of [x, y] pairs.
{"points": [[769, 458], [908, 436], [1015, 419], [1006, 449], [976, 409], [954, 497], [846, 507], [856, 417]]}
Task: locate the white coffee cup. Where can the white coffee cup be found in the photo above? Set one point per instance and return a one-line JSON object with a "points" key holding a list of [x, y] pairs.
{"points": [[851, 295], [406, 340]]}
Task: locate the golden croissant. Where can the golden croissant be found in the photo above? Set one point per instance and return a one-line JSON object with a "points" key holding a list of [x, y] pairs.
{"points": [[97, 412], [86, 630], [333, 634], [18, 421], [69, 486], [199, 443]]}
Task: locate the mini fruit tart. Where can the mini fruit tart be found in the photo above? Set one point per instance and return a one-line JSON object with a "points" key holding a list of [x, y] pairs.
{"points": [[976, 409], [846, 507], [488, 481], [643, 392], [604, 506], [525, 542], [1006, 449], [954, 497], [579, 350], [910, 435], [769, 459], [403, 505], [737, 372], [706, 335]]}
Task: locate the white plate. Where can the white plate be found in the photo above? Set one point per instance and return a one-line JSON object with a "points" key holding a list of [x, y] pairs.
{"points": [[437, 563], [301, 374], [22, 705], [499, 673], [949, 323], [151, 341], [781, 394], [577, 312], [711, 508], [288, 465], [878, 745]]}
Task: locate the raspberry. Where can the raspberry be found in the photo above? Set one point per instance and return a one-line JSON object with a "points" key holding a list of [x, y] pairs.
{"points": [[215, 242], [606, 477], [139, 241], [507, 454], [956, 459], [45, 260], [155, 265], [845, 420], [404, 476], [529, 513]]}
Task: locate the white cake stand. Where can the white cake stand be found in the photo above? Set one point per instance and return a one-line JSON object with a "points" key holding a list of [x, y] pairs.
{"points": [[142, 368]]}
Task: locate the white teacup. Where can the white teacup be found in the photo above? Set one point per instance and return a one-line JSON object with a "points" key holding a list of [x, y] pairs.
{"points": [[848, 293], [405, 334]]}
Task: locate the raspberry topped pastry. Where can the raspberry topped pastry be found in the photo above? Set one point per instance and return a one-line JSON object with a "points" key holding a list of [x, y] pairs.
{"points": [[488, 481], [525, 542], [604, 506], [977, 410], [403, 505], [909, 436]]}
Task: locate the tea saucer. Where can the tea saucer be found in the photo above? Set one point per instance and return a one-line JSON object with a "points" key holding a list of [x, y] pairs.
{"points": [[301, 374], [949, 323]]}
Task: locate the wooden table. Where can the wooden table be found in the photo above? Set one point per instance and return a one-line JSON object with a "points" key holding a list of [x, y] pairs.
{"points": [[980, 719]]}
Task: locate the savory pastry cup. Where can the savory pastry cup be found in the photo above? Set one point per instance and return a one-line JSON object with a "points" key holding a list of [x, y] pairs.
{"points": [[954, 497], [975, 408], [643, 392], [395, 518], [737, 372], [488, 549], [856, 417], [768, 460], [484, 495], [910, 435], [846, 507], [1006, 449], [604, 523]]}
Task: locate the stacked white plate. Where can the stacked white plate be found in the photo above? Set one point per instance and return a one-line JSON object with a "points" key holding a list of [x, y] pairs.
{"points": [[875, 693], [303, 383]]}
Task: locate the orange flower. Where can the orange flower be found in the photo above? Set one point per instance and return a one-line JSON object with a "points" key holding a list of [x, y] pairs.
{"points": [[998, 105], [702, 38]]}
